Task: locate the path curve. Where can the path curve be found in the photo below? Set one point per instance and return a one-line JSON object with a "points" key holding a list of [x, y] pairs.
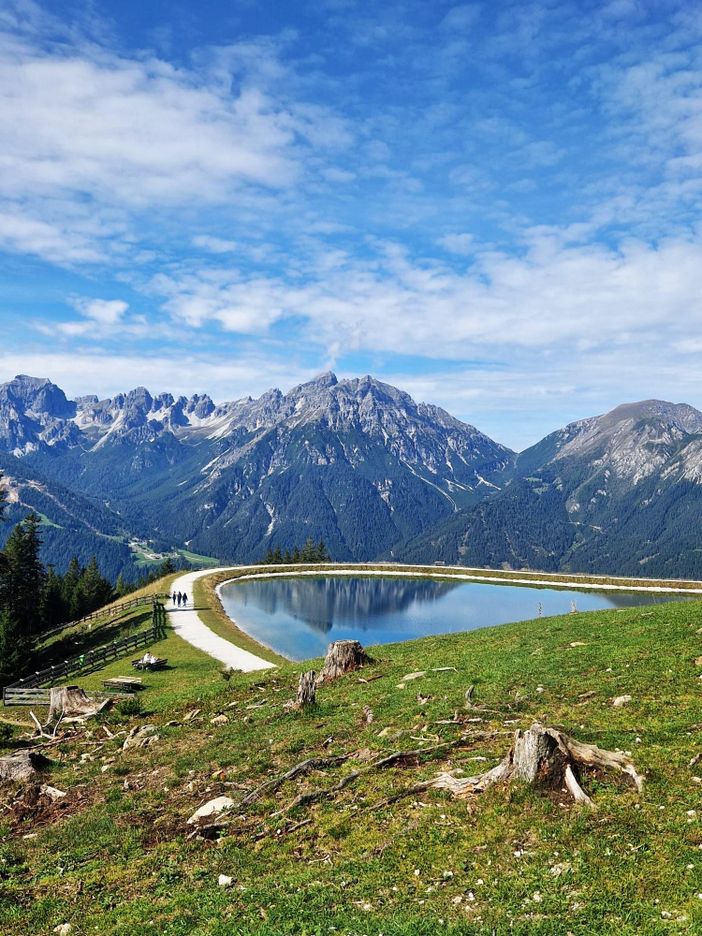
{"points": [[186, 623]]}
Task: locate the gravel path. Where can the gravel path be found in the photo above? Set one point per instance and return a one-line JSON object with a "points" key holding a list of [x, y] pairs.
{"points": [[187, 624]]}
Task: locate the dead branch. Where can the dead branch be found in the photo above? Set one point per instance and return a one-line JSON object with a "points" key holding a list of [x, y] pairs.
{"points": [[312, 796], [304, 767]]}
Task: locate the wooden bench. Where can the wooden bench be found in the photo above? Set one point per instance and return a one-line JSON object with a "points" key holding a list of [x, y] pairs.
{"points": [[125, 683], [158, 663]]}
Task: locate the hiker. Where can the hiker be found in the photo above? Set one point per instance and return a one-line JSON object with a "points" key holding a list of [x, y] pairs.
{"points": [[174, 597], [180, 598], [185, 599]]}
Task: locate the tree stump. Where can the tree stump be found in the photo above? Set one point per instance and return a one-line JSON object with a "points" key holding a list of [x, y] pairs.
{"points": [[71, 702], [18, 768], [343, 656], [546, 758], [306, 690]]}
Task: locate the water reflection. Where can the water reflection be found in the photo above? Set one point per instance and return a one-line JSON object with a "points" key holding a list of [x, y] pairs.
{"points": [[349, 601], [298, 616]]}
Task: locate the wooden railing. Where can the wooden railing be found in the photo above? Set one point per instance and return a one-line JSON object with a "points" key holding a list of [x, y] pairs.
{"points": [[111, 612], [32, 697], [92, 659], [25, 696]]}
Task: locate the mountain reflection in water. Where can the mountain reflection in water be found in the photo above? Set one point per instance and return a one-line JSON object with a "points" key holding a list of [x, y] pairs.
{"points": [[299, 616], [351, 601]]}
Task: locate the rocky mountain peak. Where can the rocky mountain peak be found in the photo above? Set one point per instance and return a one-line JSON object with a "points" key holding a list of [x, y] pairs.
{"points": [[38, 396], [633, 441]]}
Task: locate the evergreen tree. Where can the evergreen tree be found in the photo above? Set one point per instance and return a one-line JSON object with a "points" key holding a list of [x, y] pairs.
{"points": [[93, 590], [54, 610], [322, 554], [277, 556], [71, 597], [167, 567], [21, 589], [296, 554], [309, 551]]}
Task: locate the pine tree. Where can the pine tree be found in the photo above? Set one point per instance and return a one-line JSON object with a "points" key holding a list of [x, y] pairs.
{"points": [[277, 556], [93, 590], [21, 589], [309, 551], [296, 554], [322, 554], [167, 567], [71, 596], [54, 610]]}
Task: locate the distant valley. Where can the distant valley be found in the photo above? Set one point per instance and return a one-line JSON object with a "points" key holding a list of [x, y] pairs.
{"points": [[357, 463]]}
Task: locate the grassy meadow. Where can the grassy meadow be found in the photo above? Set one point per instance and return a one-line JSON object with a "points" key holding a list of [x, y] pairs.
{"points": [[116, 855]]}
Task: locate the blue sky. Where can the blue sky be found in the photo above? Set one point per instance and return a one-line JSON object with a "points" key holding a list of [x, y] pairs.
{"points": [[493, 206]]}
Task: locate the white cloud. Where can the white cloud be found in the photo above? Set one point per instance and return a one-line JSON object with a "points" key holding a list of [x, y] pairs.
{"points": [[102, 311], [215, 245], [570, 297], [124, 141], [56, 242], [463, 244], [133, 131]]}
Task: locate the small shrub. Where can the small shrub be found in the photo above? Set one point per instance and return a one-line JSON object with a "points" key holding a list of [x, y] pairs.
{"points": [[6, 733], [128, 707]]}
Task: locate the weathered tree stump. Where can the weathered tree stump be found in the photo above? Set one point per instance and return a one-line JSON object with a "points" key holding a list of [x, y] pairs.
{"points": [[343, 656], [547, 758], [71, 702], [306, 690], [19, 768]]}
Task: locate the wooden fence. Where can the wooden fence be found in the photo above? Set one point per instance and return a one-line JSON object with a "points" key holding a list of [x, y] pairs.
{"points": [[23, 696], [111, 613], [34, 697], [91, 660]]}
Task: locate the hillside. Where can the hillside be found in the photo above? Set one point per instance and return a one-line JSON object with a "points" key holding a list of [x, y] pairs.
{"points": [[116, 856], [359, 464], [617, 493], [356, 462]]}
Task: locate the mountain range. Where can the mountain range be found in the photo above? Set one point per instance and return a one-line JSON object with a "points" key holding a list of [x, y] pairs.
{"points": [[356, 462]]}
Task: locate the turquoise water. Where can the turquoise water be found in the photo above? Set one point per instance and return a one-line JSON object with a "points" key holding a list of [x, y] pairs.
{"points": [[299, 616]]}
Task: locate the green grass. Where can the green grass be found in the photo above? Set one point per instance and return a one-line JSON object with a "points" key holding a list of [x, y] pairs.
{"points": [[198, 559], [118, 860]]}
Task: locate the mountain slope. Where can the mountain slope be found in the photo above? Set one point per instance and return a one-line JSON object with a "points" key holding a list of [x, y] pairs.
{"points": [[71, 523], [356, 462], [619, 493]]}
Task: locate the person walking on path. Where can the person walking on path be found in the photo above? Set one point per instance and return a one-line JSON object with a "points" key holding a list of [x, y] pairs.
{"points": [[174, 597], [185, 600]]}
